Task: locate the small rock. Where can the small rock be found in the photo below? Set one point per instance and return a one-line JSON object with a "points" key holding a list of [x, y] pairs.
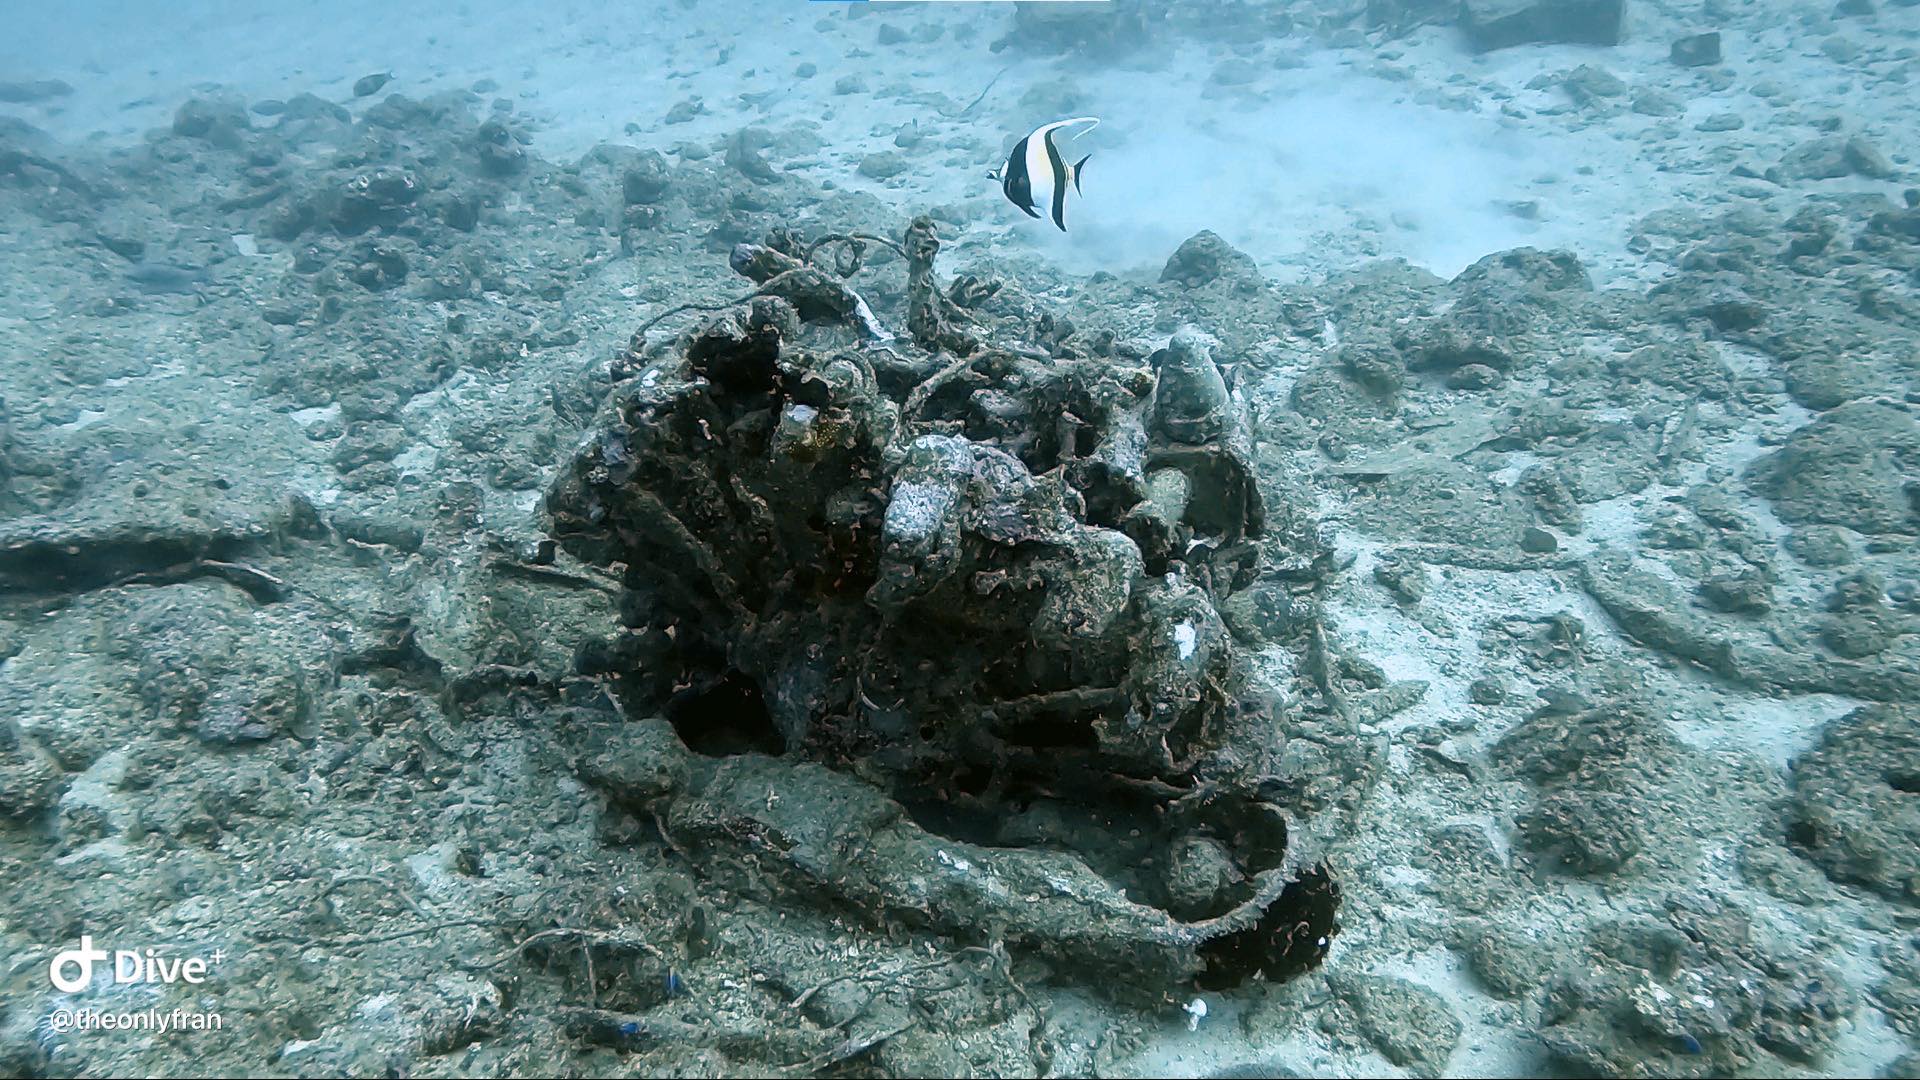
{"points": [[1410, 1024], [376, 196], [1857, 635], [883, 165], [1867, 160], [1821, 545], [1379, 368], [1696, 50], [1098, 30], [1675, 529], [1538, 541], [1732, 310], [500, 151], [33, 90], [1832, 157], [1407, 581], [746, 153], [1851, 810], [1199, 872], [460, 212], [1399, 17], [1591, 832], [645, 181], [1487, 690], [1204, 258], [219, 123], [1851, 467], [1840, 50], [1725, 121], [1473, 377], [1235, 71], [1745, 592], [1500, 24], [378, 267], [29, 780], [1508, 961], [130, 248], [311, 107], [1263, 613], [1587, 84], [1655, 103]]}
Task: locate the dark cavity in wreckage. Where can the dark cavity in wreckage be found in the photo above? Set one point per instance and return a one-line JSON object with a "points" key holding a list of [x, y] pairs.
{"points": [[929, 629]]}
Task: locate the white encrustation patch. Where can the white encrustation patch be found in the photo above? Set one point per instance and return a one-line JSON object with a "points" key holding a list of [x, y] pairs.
{"points": [[1184, 637], [317, 415], [868, 321], [802, 414], [915, 511], [1196, 1011]]}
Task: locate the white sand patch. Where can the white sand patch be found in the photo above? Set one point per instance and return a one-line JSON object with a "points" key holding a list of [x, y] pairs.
{"points": [[1409, 148]]}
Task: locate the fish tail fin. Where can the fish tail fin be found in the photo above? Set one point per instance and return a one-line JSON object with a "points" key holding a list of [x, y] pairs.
{"points": [[1077, 166]]}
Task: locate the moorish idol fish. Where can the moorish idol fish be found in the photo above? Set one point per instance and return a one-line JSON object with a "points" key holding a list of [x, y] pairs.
{"points": [[1036, 176]]}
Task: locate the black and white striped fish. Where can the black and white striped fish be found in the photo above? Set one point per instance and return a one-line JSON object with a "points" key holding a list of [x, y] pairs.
{"points": [[1035, 176]]}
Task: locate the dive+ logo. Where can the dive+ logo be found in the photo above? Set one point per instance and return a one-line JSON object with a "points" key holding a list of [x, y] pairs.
{"points": [[71, 970]]}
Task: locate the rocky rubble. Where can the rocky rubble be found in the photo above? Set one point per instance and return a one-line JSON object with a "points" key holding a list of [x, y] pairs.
{"points": [[1558, 626]]}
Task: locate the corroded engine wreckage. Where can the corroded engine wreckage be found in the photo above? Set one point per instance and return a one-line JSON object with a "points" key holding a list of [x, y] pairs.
{"points": [[933, 624]]}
